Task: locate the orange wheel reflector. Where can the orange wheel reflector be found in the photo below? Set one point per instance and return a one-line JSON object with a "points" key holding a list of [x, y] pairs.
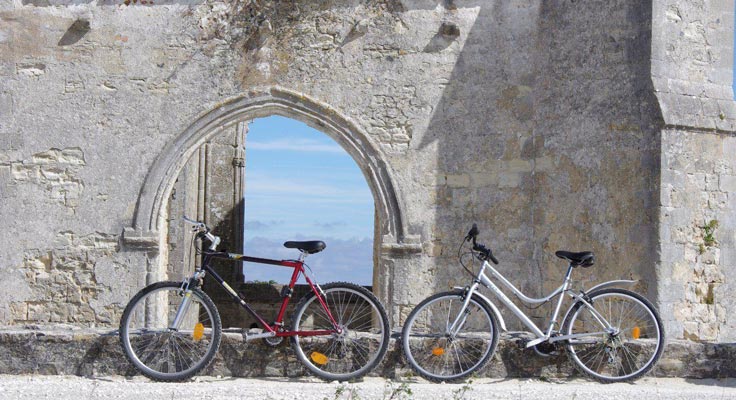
{"points": [[438, 351], [198, 331], [636, 332], [319, 358]]}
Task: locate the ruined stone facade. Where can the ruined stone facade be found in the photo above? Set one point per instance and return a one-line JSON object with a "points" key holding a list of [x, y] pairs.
{"points": [[580, 125]]}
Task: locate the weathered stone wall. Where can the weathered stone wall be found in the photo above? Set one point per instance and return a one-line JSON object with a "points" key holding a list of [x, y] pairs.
{"points": [[542, 121], [699, 241], [692, 57]]}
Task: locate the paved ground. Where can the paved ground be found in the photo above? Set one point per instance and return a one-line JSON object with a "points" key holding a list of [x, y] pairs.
{"points": [[204, 388]]}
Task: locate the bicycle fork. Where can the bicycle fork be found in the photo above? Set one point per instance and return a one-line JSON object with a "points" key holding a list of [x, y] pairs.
{"points": [[186, 300], [182, 310], [462, 315]]}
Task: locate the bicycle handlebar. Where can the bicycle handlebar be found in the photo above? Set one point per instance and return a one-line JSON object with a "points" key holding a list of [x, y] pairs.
{"points": [[202, 229], [485, 253]]}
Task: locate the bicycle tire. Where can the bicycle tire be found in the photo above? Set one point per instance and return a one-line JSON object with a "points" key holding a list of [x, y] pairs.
{"points": [[615, 357], [160, 353], [352, 353], [436, 355]]}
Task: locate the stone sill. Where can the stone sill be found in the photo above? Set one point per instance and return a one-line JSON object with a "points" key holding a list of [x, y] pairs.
{"points": [[97, 352]]}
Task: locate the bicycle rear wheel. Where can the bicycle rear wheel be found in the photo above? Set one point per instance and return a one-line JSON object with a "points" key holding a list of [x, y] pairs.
{"points": [[439, 355], [160, 351], [625, 354], [357, 348]]}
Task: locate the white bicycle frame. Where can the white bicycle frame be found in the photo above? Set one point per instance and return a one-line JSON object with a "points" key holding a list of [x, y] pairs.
{"points": [[541, 336]]}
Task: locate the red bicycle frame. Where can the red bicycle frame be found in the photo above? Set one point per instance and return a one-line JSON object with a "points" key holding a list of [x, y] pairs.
{"points": [[276, 329]]}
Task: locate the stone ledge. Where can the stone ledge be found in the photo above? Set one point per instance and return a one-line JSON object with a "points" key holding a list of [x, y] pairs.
{"points": [[136, 239], [88, 352]]}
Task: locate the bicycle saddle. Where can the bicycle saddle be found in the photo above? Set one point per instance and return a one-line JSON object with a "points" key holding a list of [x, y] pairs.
{"points": [[310, 246], [584, 258]]}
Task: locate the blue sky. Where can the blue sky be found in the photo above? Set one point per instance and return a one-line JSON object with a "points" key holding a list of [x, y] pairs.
{"points": [[301, 185]]}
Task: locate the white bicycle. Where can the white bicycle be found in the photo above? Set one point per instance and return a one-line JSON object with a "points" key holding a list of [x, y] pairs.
{"points": [[611, 334]]}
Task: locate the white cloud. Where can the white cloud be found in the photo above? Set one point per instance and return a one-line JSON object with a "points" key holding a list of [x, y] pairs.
{"points": [[305, 145], [263, 186]]}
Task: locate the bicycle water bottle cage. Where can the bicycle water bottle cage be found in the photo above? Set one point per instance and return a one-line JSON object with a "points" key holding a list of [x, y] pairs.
{"points": [[584, 259]]}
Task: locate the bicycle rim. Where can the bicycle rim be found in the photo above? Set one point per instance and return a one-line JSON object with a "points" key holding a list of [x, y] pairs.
{"points": [[162, 353], [624, 355], [359, 346], [439, 355]]}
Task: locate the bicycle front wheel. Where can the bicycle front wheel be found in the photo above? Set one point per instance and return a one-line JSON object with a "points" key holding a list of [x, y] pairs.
{"points": [[352, 348], [157, 348], [440, 352], [624, 353]]}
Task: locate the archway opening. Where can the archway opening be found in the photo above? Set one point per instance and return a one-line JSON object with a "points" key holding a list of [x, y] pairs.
{"points": [[261, 183]]}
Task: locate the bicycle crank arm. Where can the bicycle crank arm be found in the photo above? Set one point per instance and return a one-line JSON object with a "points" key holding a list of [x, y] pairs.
{"points": [[254, 336], [575, 336], [535, 342]]}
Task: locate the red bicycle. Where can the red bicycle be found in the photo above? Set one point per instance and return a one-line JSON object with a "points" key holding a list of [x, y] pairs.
{"points": [[171, 330]]}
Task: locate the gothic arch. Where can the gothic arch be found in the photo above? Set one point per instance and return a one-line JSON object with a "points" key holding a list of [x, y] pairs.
{"points": [[146, 232]]}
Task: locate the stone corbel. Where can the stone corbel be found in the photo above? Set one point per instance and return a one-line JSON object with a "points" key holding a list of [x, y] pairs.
{"points": [[140, 240], [410, 245]]}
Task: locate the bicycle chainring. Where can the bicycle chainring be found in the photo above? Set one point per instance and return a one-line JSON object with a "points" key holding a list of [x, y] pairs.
{"points": [[273, 341], [546, 349]]}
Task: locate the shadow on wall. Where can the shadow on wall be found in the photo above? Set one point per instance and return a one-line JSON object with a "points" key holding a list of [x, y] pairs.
{"points": [[546, 137]]}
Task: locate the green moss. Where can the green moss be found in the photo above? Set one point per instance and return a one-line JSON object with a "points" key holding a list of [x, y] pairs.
{"points": [[708, 231]]}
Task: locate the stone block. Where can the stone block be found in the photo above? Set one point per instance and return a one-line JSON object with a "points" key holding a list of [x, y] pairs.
{"points": [[697, 180], [727, 183], [718, 92], [727, 124], [458, 181], [483, 179], [727, 108], [711, 182], [729, 147], [665, 196], [673, 178], [509, 179], [684, 87]]}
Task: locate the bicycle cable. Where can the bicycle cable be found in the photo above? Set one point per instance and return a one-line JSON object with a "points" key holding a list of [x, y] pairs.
{"points": [[197, 251], [460, 257]]}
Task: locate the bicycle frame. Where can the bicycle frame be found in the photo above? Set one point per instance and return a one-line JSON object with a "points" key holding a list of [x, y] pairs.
{"points": [[541, 336], [270, 330]]}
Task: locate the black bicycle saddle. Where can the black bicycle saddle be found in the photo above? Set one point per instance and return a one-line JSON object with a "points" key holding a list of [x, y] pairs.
{"points": [[584, 258], [310, 246]]}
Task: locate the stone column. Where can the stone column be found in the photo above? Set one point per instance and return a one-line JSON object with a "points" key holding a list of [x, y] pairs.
{"points": [[210, 189]]}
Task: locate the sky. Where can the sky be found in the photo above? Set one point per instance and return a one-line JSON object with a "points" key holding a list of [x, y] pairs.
{"points": [[301, 185]]}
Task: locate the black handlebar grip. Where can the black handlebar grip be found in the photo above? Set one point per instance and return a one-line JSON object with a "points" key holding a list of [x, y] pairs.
{"points": [[492, 257]]}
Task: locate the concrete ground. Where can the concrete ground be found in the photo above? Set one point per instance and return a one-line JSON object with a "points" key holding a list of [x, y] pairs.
{"points": [[202, 388]]}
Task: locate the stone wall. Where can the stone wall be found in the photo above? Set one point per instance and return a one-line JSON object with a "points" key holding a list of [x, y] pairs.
{"points": [[692, 73], [550, 124], [698, 236]]}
